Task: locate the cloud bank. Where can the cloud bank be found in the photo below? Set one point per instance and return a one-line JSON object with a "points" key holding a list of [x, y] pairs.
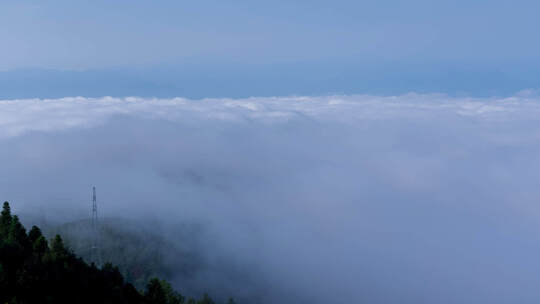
{"points": [[19, 116], [332, 199]]}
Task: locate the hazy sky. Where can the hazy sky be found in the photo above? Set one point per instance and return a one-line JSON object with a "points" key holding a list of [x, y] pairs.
{"points": [[167, 48]]}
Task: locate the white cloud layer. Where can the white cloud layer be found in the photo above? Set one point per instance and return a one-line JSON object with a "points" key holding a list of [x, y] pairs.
{"points": [[19, 116], [333, 199]]}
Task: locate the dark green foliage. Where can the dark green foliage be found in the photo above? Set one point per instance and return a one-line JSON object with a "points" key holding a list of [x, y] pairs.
{"points": [[34, 234], [155, 292], [140, 252], [40, 246], [161, 292], [33, 271], [206, 300], [17, 233], [5, 220]]}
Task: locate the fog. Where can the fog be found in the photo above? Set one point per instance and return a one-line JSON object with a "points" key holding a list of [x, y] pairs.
{"points": [[417, 198]]}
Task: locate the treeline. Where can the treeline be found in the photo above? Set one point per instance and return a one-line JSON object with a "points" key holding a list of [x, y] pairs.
{"points": [[33, 270], [139, 251]]}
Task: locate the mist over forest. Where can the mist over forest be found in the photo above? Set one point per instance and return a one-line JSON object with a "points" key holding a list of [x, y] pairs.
{"points": [[416, 198]]}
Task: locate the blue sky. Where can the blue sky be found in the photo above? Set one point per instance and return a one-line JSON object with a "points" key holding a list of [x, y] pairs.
{"points": [[244, 48]]}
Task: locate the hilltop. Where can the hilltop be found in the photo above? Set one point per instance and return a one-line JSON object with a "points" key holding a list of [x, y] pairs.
{"points": [[35, 270]]}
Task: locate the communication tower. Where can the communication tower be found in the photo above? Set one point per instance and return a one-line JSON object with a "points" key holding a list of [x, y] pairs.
{"points": [[95, 255]]}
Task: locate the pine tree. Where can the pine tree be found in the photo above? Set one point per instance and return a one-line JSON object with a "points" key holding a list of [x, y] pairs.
{"points": [[206, 300], [155, 293], [160, 292], [173, 297], [58, 250], [40, 246], [17, 233], [34, 234], [5, 220]]}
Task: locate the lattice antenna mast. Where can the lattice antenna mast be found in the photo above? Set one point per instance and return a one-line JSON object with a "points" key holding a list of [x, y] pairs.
{"points": [[95, 256], [94, 209]]}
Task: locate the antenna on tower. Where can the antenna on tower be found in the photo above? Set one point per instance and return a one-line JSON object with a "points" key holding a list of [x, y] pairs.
{"points": [[95, 256], [94, 209]]}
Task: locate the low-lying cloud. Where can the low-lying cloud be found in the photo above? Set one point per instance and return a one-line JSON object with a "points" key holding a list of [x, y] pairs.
{"points": [[333, 199], [19, 116]]}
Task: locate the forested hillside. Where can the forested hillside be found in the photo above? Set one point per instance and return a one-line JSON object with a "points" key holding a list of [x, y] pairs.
{"points": [[139, 252], [34, 270]]}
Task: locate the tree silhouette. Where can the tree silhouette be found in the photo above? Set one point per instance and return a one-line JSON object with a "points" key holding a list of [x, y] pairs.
{"points": [[34, 271]]}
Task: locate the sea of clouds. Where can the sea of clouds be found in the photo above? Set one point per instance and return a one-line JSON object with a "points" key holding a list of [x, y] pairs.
{"points": [[23, 115], [417, 198]]}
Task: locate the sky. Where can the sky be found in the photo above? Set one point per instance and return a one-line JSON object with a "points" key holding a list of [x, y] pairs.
{"points": [[244, 48]]}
